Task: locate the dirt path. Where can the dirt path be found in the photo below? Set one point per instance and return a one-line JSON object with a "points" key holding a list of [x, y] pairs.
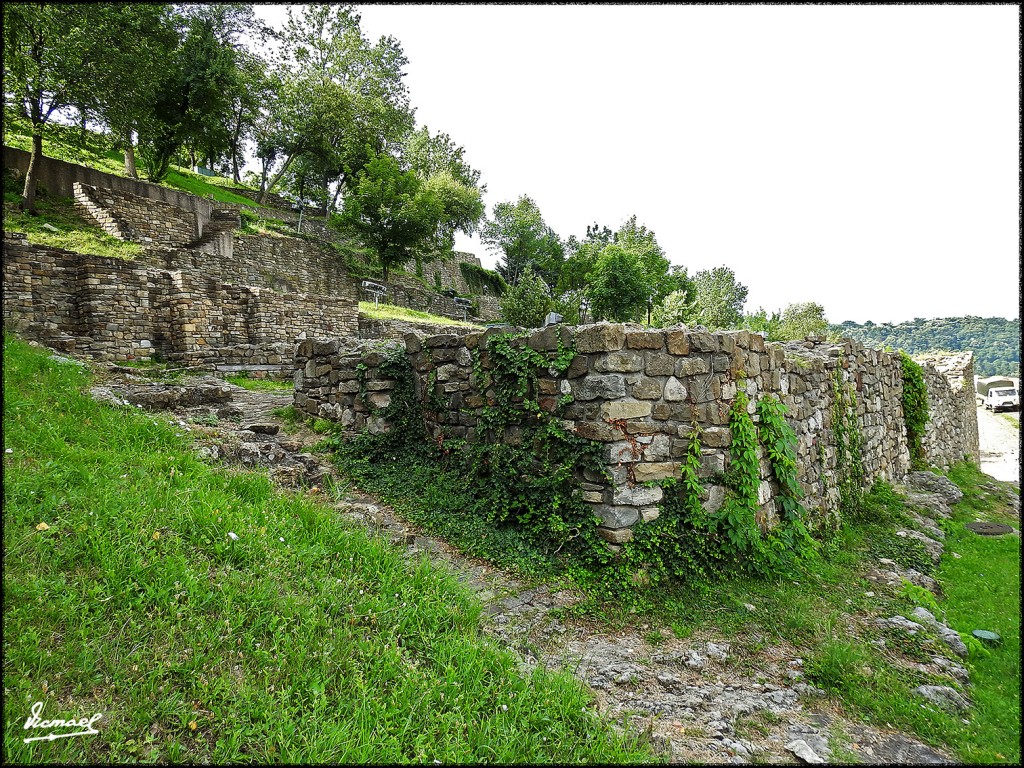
{"points": [[700, 699], [999, 439]]}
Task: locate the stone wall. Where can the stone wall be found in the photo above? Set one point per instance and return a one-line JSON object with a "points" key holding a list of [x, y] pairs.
{"points": [[951, 433], [58, 178], [397, 330], [130, 217], [166, 303], [640, 392]]}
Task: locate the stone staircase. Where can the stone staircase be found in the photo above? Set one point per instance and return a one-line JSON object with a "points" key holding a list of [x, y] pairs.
{"points": [[216, 237]]}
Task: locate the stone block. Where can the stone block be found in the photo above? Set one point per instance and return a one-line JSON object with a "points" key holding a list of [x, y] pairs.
{"points": [[650, 514], [607, 387], [579, 366], [615, 536], [645, 340], [621, 451], [647, 389], [658, 448], [637, 496], [675, 391], [692, 366], [626, 409], [600, 337], [678, 343], [616, 516], [660, 364], [716, 437], [325, 346], [442, 340], [544, 340], [645, 471], [621, 362], [712, 462], [715, 498]]}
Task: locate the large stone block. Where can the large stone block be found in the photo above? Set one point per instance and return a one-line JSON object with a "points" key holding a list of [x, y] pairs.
{"points": [[648, 389], [615, 535], [646, 471], [607, 387], [660, 364], [637, 496], [678, 342], [626, 409], [624, 361], [692, 366], [613, 516], [600, 337], [645, 340]]}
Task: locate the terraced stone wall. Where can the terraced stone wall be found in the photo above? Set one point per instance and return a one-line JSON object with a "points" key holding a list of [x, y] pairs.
{"points": [[164, 304], [951, 433], [642, 392]]}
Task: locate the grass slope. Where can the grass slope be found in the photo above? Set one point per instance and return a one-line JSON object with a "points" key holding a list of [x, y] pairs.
{"points": [[392, 312], [302, 640]]}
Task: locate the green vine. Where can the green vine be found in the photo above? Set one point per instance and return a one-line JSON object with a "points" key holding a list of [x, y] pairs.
{"points": [[849, 471], [915, 408], [737, 517]]}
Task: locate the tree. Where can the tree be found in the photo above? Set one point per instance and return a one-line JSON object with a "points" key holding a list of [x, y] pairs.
{"points": [[49, 53], [673, 309], [618, 289], [430, 155], [342, 100], [642, 243], [582, 258], [801, 320], [718, 300], [389, 212], [527, 302], [519, 233]]}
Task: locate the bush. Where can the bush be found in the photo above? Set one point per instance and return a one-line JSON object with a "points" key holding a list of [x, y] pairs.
{"points": [[527, 302]]}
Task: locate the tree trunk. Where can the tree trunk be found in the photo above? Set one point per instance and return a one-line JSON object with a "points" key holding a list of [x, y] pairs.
{"points": [[334, 203], [28, 194], [277, 177], [129, 157]]}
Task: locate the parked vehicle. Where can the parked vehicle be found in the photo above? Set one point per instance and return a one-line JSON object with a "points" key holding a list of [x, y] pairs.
{"points": [[983, 386], [998, 399]]}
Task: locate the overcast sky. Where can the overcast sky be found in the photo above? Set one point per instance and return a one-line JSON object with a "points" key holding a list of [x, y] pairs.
{"points": [[864, 157]]}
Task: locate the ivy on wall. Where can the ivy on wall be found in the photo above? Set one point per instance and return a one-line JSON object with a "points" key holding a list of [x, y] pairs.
{"points": [[915, 408], [846, 436]]}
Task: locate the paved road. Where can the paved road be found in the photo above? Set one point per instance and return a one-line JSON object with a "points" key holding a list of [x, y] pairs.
{"points": [[999, 439]]}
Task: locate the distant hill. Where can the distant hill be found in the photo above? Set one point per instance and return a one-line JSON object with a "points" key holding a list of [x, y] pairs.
{"points": [[995, 341]]}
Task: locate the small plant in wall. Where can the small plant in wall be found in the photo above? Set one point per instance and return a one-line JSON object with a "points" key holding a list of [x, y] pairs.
{"points": [[915, 408]]}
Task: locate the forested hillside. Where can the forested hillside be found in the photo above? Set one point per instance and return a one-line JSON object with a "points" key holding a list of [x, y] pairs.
{"points": [[995, 341]]}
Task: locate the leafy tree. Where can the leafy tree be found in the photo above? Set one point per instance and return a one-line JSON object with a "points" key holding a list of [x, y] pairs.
{"points": [[388, 212], [801, 320], [519, 233], [619, 288], [673, 309], [461, 203], [641, 242], [430, 155], [527, 302], [342, 100], [582, 258], [718, 300], [50, 52], [763, 323]]}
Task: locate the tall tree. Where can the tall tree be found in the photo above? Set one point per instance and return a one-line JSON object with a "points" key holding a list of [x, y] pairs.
{"points": [[49, 52], [339, 95], [619, 288], [429, 155], [802, 320], [389, 212], [519, 233], [719, 299]]}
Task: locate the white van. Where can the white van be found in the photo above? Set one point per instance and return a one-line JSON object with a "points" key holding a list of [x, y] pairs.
{"points": [[1002, 397]]}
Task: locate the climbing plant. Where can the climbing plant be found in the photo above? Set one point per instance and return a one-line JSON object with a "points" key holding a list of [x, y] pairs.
{"points": [[846, 435], [915, 408]]}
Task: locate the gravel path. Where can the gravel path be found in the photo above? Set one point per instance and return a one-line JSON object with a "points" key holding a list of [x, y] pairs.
{"points": [[999, 440]]}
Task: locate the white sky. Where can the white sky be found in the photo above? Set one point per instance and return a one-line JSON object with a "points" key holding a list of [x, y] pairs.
{"points": [[864, 157]]}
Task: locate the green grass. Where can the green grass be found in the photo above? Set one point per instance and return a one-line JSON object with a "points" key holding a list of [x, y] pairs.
{"points": [[304, 640], [74, 233], [391, 312], [95, 150], [823, 612], [261, 385]]}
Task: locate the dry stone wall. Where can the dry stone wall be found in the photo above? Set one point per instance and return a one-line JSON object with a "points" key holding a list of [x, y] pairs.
{"points": [[951, 433], [163, 304], [641, 392], [131, 217]]}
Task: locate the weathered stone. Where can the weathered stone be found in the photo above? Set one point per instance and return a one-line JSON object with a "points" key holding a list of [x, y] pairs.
{"points": [[660, 364], [692, 366], [715, 499], [716, 437], [638, 496], [647, 389], [600, 337], [678, 343], [623, 451], [943, 696], [597, 430], [626, 409], [929, 482], [645, 340], [607, 387], [674, 390], [615, 536], [646, 471], [616, 516], [623, 361]]}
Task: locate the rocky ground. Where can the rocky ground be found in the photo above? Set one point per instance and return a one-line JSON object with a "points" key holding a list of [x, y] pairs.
{"points": [[700, 699], [999, 439]]}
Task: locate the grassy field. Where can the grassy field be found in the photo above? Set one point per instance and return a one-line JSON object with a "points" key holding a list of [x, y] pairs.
{"points": [[209, 618], [94, 150], [392, 312], [825, 612]]}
